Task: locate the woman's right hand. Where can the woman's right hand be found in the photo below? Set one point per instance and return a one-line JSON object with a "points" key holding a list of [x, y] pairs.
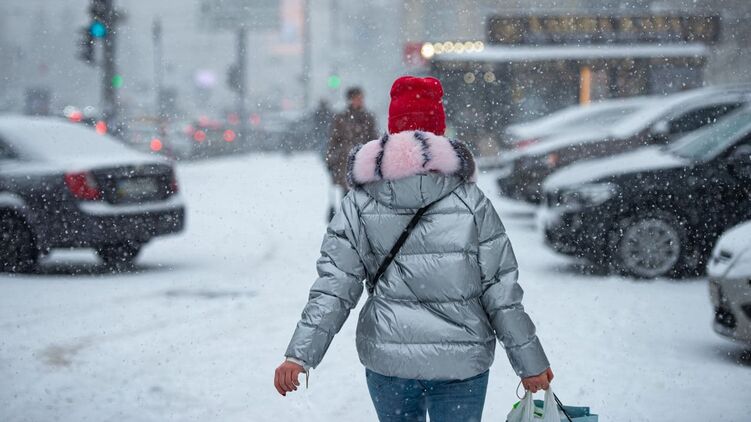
{"points": [[538, 382], [286, 377]]}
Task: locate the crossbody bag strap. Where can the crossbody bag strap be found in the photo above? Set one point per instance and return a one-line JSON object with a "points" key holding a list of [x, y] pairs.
{"points": [[398, 245]]}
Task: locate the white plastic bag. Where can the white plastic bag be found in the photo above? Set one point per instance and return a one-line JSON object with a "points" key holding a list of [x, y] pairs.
{"points": [[527, 412]]}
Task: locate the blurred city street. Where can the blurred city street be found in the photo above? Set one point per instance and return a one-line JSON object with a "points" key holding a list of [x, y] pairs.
{"points": [[196, 329], [174, 179]]}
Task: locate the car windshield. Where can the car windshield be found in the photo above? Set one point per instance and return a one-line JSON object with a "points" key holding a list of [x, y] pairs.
{"points": [[604, 117], [708, 142], [648, 115], [59, 140]]}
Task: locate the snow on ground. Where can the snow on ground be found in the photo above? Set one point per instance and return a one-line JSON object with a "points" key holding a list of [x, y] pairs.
{"points": [[196, 332]]}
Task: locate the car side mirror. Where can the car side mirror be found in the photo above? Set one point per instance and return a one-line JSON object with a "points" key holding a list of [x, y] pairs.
{"points": [[660, 131]]}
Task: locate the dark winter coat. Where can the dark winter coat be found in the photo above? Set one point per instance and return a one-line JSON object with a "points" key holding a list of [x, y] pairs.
{"points": [[349, 128], [450, 292]]}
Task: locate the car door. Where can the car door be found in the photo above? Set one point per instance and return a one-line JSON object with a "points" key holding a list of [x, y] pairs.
{"points": [[720, 191], [737, 165]]}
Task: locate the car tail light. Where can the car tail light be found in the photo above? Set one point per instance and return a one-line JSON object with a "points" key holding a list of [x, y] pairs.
{"points": [[83, 186], [552, 160], [229, 135], [525, 143]]}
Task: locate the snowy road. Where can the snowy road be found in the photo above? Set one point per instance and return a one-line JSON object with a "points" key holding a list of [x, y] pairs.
{"points": [[196, 332]]}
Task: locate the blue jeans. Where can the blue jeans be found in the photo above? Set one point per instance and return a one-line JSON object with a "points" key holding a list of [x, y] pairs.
{"points": [[407, 400]]}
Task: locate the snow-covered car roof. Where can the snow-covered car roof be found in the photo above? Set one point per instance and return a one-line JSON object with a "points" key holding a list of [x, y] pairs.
{"points": [[640, 120], [553, 143], [643, 159], [56, 140], [570, 118]]}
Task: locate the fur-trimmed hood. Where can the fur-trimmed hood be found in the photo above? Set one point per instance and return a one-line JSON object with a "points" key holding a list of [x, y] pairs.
{"points": [[409, 169]]}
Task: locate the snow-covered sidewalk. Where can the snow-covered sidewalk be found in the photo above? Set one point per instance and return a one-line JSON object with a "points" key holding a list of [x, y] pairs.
{"points": [[197, 331]]}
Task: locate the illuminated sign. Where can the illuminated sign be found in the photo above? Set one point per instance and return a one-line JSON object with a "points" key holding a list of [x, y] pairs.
{"points": [[593, 29]]}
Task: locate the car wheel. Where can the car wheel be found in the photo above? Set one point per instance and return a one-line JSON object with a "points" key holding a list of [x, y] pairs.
{"points": [[119, 256], [18, 251], [648, 246]]}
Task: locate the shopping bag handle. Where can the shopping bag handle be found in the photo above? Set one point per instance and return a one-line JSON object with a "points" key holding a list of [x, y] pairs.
{"points": [[557, 401], [560, 406]]}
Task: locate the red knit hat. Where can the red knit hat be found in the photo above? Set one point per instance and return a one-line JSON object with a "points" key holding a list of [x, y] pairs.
{"points": [[416, 105]]}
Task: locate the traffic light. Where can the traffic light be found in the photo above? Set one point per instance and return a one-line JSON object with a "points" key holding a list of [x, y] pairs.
{"points": [[97, 29], [117, 81], [334, 81], [102, 30], [86, 46], [102, 20], [101, 11]]}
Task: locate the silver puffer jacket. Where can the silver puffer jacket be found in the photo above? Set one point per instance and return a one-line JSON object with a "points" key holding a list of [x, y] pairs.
{"points": [[451, 290]]}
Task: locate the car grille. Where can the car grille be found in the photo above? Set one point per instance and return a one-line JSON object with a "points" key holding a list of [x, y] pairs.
{"points": [[724, 317]]}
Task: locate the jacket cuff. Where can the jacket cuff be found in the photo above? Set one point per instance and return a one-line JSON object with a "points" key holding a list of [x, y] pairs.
{"points": [[529, 359], [299, 362]]}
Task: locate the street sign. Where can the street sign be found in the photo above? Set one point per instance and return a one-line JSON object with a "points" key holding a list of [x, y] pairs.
{"points": [[254, 15]]}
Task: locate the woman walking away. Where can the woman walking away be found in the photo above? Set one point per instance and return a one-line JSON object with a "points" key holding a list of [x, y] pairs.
{"points": [[426, 334]]}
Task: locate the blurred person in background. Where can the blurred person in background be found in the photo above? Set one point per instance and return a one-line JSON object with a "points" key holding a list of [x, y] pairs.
{"points": [[427, 332], [355, 125]]}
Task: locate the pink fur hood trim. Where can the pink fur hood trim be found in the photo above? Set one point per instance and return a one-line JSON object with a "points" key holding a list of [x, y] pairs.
{"points": [[409, 153]]}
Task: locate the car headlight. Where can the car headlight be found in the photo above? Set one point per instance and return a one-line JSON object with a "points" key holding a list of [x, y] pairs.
{"points": [[587, 195]]}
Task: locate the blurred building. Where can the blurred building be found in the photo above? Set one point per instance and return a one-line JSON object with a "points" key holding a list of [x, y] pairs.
{"points": [[730, 60]]}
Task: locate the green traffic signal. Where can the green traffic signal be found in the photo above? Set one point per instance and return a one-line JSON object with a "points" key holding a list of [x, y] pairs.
{"points": [[97, 29], [334, 81], [117, 81]]}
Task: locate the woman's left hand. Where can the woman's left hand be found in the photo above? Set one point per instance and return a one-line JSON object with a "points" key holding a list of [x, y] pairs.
{"points": [[538, 382]]}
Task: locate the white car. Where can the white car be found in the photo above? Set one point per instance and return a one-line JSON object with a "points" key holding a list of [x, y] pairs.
{"points": [[729, 272], [595, 116]]}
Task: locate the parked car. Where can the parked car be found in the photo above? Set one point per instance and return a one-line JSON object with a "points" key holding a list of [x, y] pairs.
{"points": [[522, 174], [656, 211], [598, 115], [62, 185], [729, 272]]}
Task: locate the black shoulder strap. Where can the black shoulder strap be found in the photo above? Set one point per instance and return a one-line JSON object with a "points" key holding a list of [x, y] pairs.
{"points": [[398, 245]]}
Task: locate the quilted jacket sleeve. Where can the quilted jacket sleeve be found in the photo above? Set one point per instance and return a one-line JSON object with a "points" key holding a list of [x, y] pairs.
{"points": [[502, 295], [336, 291]]}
